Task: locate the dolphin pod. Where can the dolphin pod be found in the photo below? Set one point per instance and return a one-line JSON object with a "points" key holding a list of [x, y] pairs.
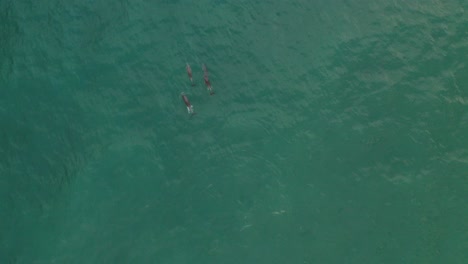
{"points": [[207, 83]]}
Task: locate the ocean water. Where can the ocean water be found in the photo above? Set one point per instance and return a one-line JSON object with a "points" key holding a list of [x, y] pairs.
{"points": [[337, 134]]}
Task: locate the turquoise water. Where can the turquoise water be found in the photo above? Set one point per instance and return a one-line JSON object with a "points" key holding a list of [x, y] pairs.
{"points": [[338, 132]]}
